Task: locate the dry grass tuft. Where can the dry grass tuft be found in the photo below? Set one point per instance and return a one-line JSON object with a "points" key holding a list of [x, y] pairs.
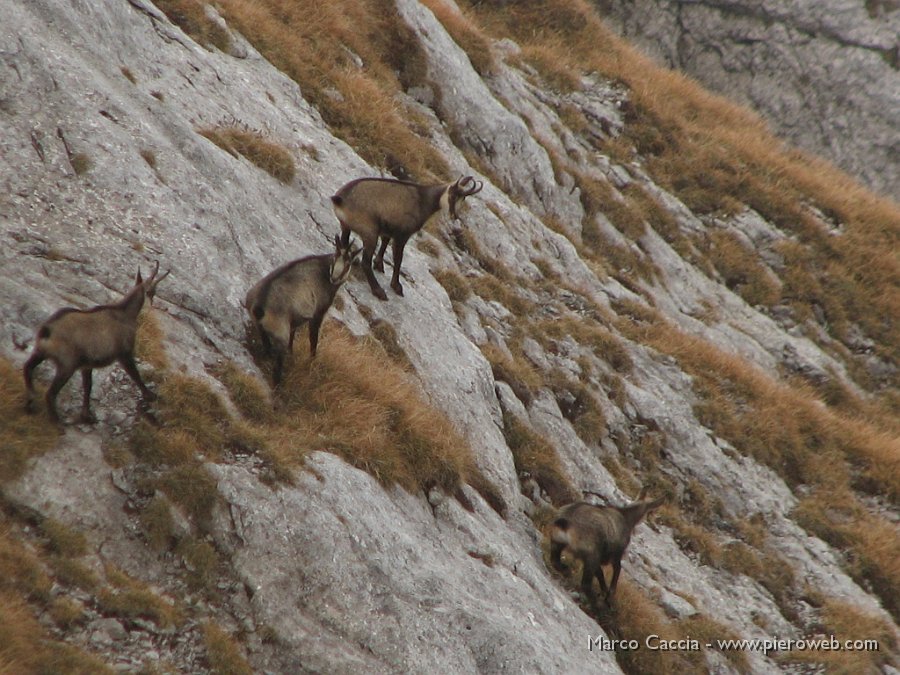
{"points": [[466, 34], [268, 156], [535, 456], [25, 648], [741, 269], [345, 401], [132, 599], [22, 436], [191, 17], [247, 392], [847, 622], [320, 45], [223, 655]]}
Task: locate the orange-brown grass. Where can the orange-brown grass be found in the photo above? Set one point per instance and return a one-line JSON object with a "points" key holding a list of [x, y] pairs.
{"points": [[246, 391], [466, 34], [268, 156], [837, 517], [22, 436], [634, 616], [191, 17], [791, 431], [787, 428], [456, 285], [741, 270], [604, 344], [848, 622], [222, 654], [149, 342], [130, 598], [315, 42], [534, 455], [25, 648], [517, 371], [717, 156], [348, 402]]}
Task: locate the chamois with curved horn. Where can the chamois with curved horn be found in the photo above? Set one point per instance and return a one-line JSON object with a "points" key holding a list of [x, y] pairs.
{"points": [[393, 210], [597, 535], [298, 292], [84, 339]]}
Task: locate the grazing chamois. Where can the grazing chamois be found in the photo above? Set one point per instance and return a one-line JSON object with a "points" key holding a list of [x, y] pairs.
{"points": [[393, 210], [597, 535], [84, 339], [297, 292]]}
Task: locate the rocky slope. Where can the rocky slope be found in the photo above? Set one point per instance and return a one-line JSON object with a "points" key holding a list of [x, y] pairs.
{"points": [[826, 75], [336, 572]]}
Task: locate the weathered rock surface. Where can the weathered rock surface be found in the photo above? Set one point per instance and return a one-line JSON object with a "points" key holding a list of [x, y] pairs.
{"points": [[825, 74], [344, 575]]}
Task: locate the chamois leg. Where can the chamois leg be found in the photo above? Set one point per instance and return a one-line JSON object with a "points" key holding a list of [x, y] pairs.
{"points": [[376, 288], [36, 359], [314, 325], [59, 381], [399, 245], [345, 234], [556, 550], [278, 367], [617, 567], [127, 362], [87, 417], [590, 570], [379, 258]]}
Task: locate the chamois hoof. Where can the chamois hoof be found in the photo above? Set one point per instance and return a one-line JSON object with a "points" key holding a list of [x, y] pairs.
{"points": [[87, 418], [378, 267], [379, 293], [398, 289]]}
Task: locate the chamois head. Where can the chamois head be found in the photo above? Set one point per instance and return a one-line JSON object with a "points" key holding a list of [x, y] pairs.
{"points": [[149, 286], [466, 186], [344, 256]]}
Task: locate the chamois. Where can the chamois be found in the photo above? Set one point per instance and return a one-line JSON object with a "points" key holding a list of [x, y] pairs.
{"points": [[84, 339], [393, 210], [297, 292], [597, 535]]}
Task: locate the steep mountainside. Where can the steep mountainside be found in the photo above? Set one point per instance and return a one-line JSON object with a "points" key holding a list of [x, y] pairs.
{"points": [[825, 74], [648, 292]]}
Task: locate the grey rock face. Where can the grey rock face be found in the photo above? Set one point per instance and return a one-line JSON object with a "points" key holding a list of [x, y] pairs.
{"points": [[825, 74]]}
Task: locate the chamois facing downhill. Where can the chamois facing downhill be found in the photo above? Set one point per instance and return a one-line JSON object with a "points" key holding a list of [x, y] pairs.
{"points": [[84, 339], [393, 210], [297, 292], [597, 535]]}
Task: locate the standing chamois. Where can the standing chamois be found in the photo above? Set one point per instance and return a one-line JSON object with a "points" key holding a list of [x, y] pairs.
{"points": [[84, 339], [393, 210], [597, 535], [297, 292]]}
